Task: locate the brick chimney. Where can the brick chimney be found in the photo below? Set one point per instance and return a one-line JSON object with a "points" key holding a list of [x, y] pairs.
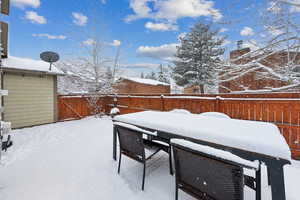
{"points": [[240, 50]]}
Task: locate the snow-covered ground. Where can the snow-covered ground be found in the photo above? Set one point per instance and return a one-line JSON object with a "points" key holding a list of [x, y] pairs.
{"points": [[73, 160]]}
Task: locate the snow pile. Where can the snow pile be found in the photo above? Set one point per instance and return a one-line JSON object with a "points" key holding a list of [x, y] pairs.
{"points": [[5, 126], [114, 111], [241, 134], [180, 111], [132, 127], [215, 114], [59, 162], [216, 153], [29, 64], [146, 81]]}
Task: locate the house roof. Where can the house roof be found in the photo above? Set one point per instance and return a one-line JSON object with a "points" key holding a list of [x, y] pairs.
{"points": [[145, 81], [27, 64]]}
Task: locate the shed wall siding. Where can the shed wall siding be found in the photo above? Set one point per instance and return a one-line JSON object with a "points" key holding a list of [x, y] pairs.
{"points": [[30, 100]]}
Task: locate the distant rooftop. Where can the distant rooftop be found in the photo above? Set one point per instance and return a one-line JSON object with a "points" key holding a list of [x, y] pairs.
{"points": [[145, 81], [29, 65]]}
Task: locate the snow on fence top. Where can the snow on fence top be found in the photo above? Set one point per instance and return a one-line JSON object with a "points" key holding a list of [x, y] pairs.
{"points": [[29, 64], [206, 98], [216, 153], [146, 81], [258, 137]]}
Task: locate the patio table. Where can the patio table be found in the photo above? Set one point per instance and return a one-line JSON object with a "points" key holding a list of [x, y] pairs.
{"points": [[250, 140]]}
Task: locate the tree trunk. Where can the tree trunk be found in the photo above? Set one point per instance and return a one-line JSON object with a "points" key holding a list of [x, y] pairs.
{"points": [[201, 89]]}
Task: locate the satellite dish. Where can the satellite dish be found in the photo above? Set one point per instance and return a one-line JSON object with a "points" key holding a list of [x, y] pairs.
{"points": [[49, 57]]}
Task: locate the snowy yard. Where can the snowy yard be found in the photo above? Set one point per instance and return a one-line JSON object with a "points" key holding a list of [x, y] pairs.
{"points": [[73, 160]]}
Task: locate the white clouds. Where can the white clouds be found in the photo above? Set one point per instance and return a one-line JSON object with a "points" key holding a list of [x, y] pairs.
{"points": [[89, 42], [161, 26], [223, 30], [26, 3], [116, 43], [172, 10], [33, 17], [175, 9], [141, 65], [50, 37], [79, 19], [140, 8], [247, 31], [164, 52]]}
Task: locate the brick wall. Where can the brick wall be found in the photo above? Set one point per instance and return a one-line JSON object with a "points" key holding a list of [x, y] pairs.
{"points": [[252, 80]]}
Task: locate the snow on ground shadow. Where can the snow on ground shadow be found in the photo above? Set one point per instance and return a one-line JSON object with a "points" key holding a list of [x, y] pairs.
{"points": [[73, 160]]}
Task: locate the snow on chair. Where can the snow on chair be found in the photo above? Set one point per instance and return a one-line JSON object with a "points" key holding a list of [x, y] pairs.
{"points": [[114, 111], [215, 114], [207, 173]]}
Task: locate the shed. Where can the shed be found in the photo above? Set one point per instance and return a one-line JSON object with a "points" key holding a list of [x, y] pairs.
{"points": [[129, 85], [32, 92]]}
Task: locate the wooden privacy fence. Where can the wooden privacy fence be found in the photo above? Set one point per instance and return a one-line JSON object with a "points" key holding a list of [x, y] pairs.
{"points": [[281, 109], [75, 107]]}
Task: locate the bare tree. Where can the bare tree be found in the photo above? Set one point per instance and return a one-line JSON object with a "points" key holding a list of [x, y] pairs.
{"points": [[276, 55], [91, 72]]}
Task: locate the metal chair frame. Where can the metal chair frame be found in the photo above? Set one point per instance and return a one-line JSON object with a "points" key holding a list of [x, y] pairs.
{"points": [[239, 180], [136, 149]]}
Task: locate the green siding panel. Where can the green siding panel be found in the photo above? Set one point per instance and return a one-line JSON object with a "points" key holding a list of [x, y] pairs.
{"points": [[30, 99]]}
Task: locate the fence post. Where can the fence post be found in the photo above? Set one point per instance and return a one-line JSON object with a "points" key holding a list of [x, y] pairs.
{"points": [[162, 102], [218, 99]]}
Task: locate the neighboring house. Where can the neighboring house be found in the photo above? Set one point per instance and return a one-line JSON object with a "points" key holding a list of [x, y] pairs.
{"points": [[141, 86], [32, 92], [261, 79], [193, 89]]}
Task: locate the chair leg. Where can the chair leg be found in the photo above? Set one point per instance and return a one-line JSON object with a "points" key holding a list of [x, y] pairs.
{"points": [[143, 184], [176, 192], [170, 162], [258, 184], [120, 157]]}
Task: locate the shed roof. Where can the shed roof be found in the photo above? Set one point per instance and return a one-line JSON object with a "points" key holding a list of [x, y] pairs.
{"points": [[27, 64]]}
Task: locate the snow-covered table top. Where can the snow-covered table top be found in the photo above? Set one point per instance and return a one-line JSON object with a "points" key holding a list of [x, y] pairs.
{"points": [[258, 137]]}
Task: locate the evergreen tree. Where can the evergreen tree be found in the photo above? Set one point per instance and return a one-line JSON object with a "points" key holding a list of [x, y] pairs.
{"points": [[162, 74], [152, 76], [198, 57]]}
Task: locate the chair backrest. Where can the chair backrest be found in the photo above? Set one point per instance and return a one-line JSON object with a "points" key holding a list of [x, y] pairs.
{"points": [[207, 178], [131, 142]]}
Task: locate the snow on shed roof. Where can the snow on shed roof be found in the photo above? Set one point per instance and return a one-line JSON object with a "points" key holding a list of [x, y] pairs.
{"points": [[29, 65], [145, 81]]}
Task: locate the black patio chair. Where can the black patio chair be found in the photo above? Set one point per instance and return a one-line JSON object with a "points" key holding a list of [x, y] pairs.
{"points": [[164, 145], [132, 145], [207, 177]]}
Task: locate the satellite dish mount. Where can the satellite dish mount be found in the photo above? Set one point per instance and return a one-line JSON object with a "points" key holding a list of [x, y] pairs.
{"points": [[49, 57]]}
